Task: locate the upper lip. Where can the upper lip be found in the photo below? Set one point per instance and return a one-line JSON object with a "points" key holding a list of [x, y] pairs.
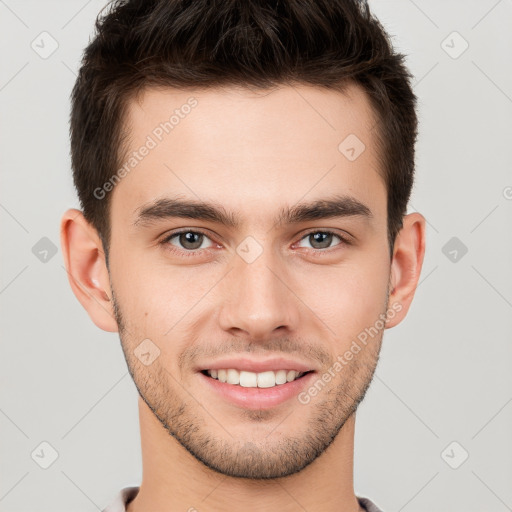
{"points": [[253, 365]]}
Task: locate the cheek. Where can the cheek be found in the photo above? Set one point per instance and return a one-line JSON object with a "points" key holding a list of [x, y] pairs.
{"points": [[349, 298], [157, 300]]}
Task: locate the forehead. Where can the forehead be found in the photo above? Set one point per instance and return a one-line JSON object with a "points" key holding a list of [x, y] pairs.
{"points": [[246, 148]]}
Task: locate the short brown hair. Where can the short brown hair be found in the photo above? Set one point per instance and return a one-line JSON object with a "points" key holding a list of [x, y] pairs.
{"points": [[253, 43]]}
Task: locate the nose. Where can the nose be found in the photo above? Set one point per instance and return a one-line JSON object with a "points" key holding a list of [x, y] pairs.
{"points": [[257, 299]]}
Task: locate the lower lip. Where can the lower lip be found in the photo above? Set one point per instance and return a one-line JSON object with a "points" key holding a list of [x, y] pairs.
{"points": [[258, 398]]}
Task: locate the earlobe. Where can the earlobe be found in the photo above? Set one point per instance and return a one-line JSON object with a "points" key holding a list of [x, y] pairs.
{"points": [[408, 254], [84, 260]]}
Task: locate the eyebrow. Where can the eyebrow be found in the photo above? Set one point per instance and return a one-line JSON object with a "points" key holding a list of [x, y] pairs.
{"points": [[174, 207]]}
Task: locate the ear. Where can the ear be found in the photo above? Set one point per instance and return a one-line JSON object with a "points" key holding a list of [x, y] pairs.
{"points": [[86, 268], [406, 264]]}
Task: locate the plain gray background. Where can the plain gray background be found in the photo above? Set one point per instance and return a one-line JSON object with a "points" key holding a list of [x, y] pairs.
{"points": [[443, 387]]}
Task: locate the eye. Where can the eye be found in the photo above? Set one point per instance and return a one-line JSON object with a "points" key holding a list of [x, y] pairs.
{"points": [[322, 239], [188, 240]]}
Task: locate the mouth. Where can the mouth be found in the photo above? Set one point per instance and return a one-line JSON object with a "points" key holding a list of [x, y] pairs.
{"points": [[247, 379], [256, 390]]}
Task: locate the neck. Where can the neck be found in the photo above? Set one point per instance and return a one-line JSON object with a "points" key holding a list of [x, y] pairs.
{"points": [[173, 480]]}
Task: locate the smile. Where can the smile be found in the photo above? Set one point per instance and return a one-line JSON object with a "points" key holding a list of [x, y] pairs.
{"points": [[246, 379]]}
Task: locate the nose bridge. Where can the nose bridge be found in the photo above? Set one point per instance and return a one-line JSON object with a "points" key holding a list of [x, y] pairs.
{"points": [[256, 298]]}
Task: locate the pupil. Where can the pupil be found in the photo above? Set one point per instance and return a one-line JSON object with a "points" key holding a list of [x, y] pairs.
{"points": [[321, 238], [190, 238]]}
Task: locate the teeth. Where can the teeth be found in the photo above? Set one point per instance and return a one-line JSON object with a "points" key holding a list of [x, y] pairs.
{"points": [[248, 379], [281, 377], [291, 375], [233, 377], [245, 379]]}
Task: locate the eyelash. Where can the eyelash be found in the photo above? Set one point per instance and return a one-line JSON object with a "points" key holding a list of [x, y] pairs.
{"points": [[190, 253]]}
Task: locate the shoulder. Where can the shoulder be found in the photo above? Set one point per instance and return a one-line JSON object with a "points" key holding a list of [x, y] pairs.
{"points": [[122, 499], [368, 505]]}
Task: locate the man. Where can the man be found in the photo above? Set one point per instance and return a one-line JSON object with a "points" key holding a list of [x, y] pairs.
{"points": [[244, 170]]}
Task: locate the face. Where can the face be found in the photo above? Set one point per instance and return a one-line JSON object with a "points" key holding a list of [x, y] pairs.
{"points": [[281, 263]]}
